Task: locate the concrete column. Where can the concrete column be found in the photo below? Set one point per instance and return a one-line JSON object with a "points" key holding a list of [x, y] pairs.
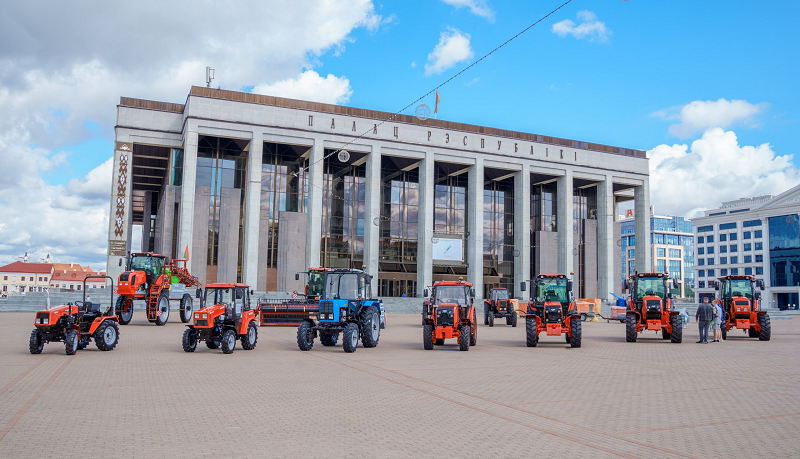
{"points": [[605, 239], [185, 231], [120, 210], [641, 198], [522, 228], [315, 172], [252, 210], [373, 211], [475, 227], [424, 244], [566, 261]]}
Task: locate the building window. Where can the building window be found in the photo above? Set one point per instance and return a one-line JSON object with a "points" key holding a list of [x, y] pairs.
{"points": [[673, 239], [544, 206], [700, 239], [177, 166], [734, 247], [661, 266], [723, 237], [733, 237], [748, 258], [759, 270], [710, 273], [734, 271], [746, 235], [709, 239], [498, 230], [701, 262], [701, 251], [705, 229], [674, 253], [343, 205], [661, 252], [749, 223], [701, 273], [5, 277], [759, 258], [710, 250], [757, 234], [723, 249], [710, 261], [748, 271], [784, 250], [759, 246], [723, 272], [657, 238], [734, 260], [632, 253], [675, 269], [399, 225], [701, 284], [631, 266], [747, 247], [727, 226]]}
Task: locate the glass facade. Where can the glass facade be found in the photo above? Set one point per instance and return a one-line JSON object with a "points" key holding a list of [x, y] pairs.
{"points": [[784, 250], [451, 183], [498, 235], [398, 228], [343, 203]]}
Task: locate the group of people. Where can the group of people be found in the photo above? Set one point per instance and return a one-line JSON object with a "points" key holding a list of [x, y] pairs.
{"points": [[710, 314]]}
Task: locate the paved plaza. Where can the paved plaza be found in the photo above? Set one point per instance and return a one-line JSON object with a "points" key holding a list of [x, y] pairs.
{"points": [[147, 398]]}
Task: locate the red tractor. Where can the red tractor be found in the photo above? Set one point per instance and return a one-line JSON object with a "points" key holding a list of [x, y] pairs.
{"points": [[225, 317], [77, 323], [552, 310], [499, 306], [740, 306], [650, 307], [156, 280], [449, 313]]}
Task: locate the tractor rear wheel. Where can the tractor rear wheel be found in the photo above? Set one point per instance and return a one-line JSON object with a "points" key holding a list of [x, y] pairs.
{"points": [[350, 338], [186, 308], [766, 327], [124, 317], [328, 339], [491, 319], [250, 338], [37, 343], [189, 340], [305, 336], [576, 331], [630, 328], [370, 327], [485, 314], [162, 308], [514, 320], [583, 317], [473, 334], [531, 338], [427, 337], [463, 342], [752, 333], [228, 341], [724, 329], [71, 342], [677, 329], [107, 335]]}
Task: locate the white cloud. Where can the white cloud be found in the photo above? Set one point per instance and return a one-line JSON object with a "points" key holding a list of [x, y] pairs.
{"points": [[476, 7], [685, 181], [453, 47], [700, 115], [413, 64], [310, 86], [589, 27]]}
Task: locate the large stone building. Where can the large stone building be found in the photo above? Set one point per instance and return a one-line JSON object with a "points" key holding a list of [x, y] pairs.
{"points": [[255, 188], [752, 236]]}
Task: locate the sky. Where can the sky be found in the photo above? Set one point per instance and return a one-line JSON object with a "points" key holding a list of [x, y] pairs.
{"points": [[708, 89]]}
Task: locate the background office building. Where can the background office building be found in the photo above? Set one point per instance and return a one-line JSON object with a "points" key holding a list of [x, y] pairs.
{"points": [[672, 250], [756, 236], [255, 188]]}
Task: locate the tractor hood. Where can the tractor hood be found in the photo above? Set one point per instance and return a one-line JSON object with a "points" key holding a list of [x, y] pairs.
{"points": [[212, 311]]}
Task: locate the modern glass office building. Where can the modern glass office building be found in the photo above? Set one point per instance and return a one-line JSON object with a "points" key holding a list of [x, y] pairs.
{"points": [[255, 188]]}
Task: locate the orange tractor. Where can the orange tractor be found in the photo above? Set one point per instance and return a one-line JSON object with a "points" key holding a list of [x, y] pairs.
{"points": [[77, 323], [740, 306], [499, 306], [552, 310], [449, 312], [650, 307], [225, 317], [156, 280]]}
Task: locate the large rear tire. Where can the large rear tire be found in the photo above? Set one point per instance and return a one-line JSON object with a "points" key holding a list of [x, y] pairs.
{"points": [[531, 338], [473, 335], [576, 332], [463, 341], [71, 342], [630, 328], [186, 308], [36, 343], [250, 338], [305, 336], [427, 337], [328, 339], [491, 319], [350, 338], [514, 320], [485, 314], [189, 340], [370, 327], [162, 308], [724, 329], [766, 328], [124, 302], [228, 341], [752, 332], [106, 336], [664, 333], [677, 329]]}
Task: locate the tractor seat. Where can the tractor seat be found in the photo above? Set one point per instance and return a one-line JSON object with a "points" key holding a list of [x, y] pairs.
{"points": [[91, 307]]}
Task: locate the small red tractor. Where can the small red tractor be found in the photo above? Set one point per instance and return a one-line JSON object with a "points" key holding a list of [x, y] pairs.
{"points": [[225, 317], [157, 280], [499, 306], [650, 307], [77, 323], [449, 312], [552, 310], [740, 306]]}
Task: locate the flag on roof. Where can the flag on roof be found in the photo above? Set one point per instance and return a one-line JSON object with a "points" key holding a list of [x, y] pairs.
{"points": [[436, 105]]}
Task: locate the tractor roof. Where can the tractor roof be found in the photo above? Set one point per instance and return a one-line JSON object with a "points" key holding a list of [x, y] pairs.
{"points": [[343, 270], [502, 289], [154, 255], [322, 270], [551, 276], [224, 285], [458, 282], [651, 275], [737, 277]]}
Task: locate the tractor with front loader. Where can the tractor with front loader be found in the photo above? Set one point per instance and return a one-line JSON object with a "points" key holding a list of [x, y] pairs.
{"points": [[157, 280], [226, 316], [346, 306], [552, 310], [500, 306], [741, 301], [448, 313], [650, 307], [76, 324]]}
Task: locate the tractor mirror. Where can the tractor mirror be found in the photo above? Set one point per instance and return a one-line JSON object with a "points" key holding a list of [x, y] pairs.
{"points": [[674, 283], [368, 279], [569, 285], [198, 293], [761, 284], [425, 293], [296, 276], [251, 292], [625, 285], [716, 286], [472, 291], [120, 261], [522, 286]]}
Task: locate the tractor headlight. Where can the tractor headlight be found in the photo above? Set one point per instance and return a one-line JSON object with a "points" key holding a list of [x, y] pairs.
{"points": [[197, 316], [46, 321], [342, 314], [221, 317], [205, 316]]}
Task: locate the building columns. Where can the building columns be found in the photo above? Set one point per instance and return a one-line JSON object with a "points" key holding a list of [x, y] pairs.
{"points": [[252, 211], [424, 244], [187, 194], [316, 169], [373, 211], [605, 238], [564, 223], [522, 227], [641, 198], [120, 210], [475, 227]]}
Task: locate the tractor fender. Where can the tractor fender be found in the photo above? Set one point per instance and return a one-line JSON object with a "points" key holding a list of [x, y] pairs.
{"points": [[674, 313], [635, 313], [96, 323]]}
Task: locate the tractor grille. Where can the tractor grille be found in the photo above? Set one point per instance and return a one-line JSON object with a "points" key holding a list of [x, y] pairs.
{"points": [[501, 305], [124, 277], [653, 309], [444, 316], [43, 315], [552, 314], [741, 303], [326, 307], [201, 323]]}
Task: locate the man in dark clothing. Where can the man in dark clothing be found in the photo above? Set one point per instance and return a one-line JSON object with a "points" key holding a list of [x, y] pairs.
{"points": [[703, 316]]}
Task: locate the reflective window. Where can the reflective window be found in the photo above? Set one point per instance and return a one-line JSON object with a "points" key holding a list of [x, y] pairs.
{"points": [[734, 271], [662, 252], [748, 271], [759, 245], [746, 235], [700, 240], [733, 237], [675, 269], [734, 260], [723, 237], [734, 248], [747, 247], [723, 260], [710, 273], [757, 234], [701, 262], [710, 250], [674, 253], [661, 266], [343, 213], [701, 251], [784, 250], [399, 226], [748, 258], [710, 261], [723, 272], [759, 270], [498, 231], [701, 273], [759, 258], [709, 239]]}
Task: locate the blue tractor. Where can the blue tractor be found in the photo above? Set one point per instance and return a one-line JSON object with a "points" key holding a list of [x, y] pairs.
{"points": [[345, 306]]}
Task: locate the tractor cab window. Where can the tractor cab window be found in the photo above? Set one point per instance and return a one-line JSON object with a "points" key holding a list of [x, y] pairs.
{"points": [[239, 298], [450, 294], [343, 286], [737, 287], [498, 295], [316, 282], [152, 266], [216, 295], [551, 290], [649, 286]]}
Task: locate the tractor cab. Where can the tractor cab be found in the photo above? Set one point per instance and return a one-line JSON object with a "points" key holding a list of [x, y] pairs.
{"points": [[226, 300], [315, 283], [150, 264], [741, 297]]}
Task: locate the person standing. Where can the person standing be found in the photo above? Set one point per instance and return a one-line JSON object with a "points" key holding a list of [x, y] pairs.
{"points": [[703, 318], [717, 324]]}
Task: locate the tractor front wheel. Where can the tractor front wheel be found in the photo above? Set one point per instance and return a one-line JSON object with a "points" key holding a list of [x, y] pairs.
{"points": [[677, 329], [305, 336], [186, 308], [107, 335], [473, 335], [427, 337], [370, 327], [576, 330], [189, 340], [250, 338], [485, 314], [71, 342], [514, 319], [37, 343], [350, 338], [664, 333], [463, 341], [491, 319], [630, 328], [124, 302], [162, 308], [228, 341], [752, 332], [531, 338], [328, 339], [724, 328], [766, 328]]}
